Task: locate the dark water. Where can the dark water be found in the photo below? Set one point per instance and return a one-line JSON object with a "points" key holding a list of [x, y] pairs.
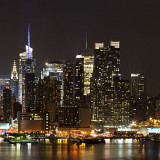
{"points": [[115, 150]]}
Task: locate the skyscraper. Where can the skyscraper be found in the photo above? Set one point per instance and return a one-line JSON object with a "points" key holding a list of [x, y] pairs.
{"points": [[7, 112], [83, 73], [88, 58], [98, 82], [14, 80], [79, 80], [54, 69], [107, 88], [138, 85], [40, 95], [138, 97], [30, 92], [4, 81], [51, 97], [68, 72], [26, 65], [120, 103]]}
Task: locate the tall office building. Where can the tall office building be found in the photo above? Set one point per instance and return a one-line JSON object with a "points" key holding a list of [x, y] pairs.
{"points": [[68, 72], [138, 85], [138, 97], [88, 58], [4, 81], [98, 82], [51, 97], [107, 88], [30, 93], [7, 111], [14, 80], [26, 65], [83, 73], [79, 80], [120, 103], [54, 69], [40, 96]]}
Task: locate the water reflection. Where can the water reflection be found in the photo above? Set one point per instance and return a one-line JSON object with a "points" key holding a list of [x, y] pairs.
{"points": [[112, 149], [29, 149]]}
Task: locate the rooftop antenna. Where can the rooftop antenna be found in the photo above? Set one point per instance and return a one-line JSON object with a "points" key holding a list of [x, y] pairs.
{"points": [[28, 54], [86, 39]]}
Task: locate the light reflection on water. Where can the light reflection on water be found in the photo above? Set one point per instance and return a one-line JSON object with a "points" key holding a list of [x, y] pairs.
{"points": [[112, 149]]}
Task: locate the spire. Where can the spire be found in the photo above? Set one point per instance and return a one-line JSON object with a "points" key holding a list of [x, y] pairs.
{"points": [[28, 53], [86, 38], [14, 73]]}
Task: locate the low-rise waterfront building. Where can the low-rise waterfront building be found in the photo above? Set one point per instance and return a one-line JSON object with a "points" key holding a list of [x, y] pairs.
{"points": [[33, 122]]}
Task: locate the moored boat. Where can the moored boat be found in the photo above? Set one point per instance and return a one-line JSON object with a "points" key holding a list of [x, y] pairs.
{"points": [[93, 140]]}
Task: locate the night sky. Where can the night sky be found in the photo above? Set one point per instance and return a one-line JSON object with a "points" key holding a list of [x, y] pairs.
{"points": [[58, 29]]}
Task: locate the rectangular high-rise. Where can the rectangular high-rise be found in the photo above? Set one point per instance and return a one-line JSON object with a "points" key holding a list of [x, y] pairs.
{"points": [[30, 93], [108, 103], [138, 97], [54, 69], [83, 73], [68, 81]]}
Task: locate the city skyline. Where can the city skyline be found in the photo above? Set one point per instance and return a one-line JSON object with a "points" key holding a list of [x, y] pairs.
{"points": [[79, 79], [66, 26]]}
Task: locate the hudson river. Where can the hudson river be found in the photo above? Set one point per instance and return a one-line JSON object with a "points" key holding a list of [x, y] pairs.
{"points": [[112, 150]]}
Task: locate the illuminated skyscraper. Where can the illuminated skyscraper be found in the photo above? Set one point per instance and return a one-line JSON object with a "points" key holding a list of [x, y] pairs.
{"points": [[83, 73], [26, 65], [120, 103], [30, 92], [88, 58], [79, 80], [7, 112], [68, 71], [98, 82], [138, 85], [138, 97], [14, 80], [54, 69], [4, 81], [108, 103]]}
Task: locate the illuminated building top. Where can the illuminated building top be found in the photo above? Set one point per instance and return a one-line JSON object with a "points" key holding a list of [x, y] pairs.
{"points": [[99, 45], [53, 68], [14, 74], [79, 56], [134, 75], [116, 44], [28, 52]]}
